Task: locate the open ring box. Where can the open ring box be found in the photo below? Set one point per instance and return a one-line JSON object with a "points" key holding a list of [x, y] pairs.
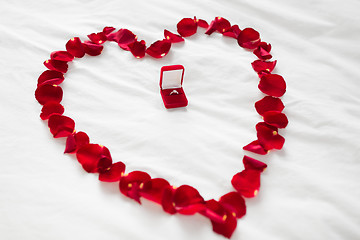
{"points": [[172, 93]]}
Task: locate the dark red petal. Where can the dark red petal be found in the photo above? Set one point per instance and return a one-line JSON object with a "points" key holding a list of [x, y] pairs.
{"points": [[214, 211], [222, 24], [61, 126], [75, 47], [104, 164], [233, 32], [234, 203], [76, 141], [256, 147], [276, 119], [50, 77], [211, 28], [263, 51], [247, 182], [56, 65], [167, 200], [269, 137], [130, 184], [187, 27], [48, 94], [138, 48], [273, 85], [260, 65], [90, 155], [108, 30], [269, 103], [249, 38], [202, 23], [123, 37], [62, 56], [50, 109], [92, 49], [227, 228], [173, 38], [70, 146], [97, 38], [153, 189], [114, 173], [251, 163], [159, 48], [187, 200]]}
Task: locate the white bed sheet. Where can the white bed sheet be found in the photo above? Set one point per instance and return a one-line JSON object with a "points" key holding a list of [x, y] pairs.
{"points": [[311, 187]]}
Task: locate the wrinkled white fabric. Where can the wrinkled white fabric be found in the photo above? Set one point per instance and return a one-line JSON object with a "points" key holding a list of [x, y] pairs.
{"points": [[311, 187]]}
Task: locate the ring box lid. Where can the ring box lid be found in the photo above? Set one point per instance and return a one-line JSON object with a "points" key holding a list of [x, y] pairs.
{"points": [[171, 77]]}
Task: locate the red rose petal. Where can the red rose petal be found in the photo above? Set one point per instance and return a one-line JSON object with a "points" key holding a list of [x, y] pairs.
{"points": [[62, 56], [249, 38], [187, 200], [61, 126], [202, 23], [75, 47], [211, 28], [256, 147], [233, 32], [104, 164], [214, 211], [227, 228], [263, 51], [50, 77], [50, 109], [260, 65], [273, 85], [251, 163], [222, 24], [76, 141], [90, 155], [108, 30], [247, 182], [138, 48], [92, 49], [123, 37], [159, 48], [114, 173], [56, 65], [97, 38], [48, 94], [167, 200], [153, 189], [130, 184], [234, 203], [187, 27], [173, 38], [269, 137], [276, 119], [269, 103]]}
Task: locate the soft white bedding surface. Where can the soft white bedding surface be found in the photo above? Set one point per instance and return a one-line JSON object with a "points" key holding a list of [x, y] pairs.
{"points": [[311, 187]]}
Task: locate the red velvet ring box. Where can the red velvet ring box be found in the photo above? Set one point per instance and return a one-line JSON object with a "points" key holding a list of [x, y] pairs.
{"points": [[172, 93]]}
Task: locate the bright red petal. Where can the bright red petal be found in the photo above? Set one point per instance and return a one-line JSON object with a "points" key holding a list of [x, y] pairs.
{"points": [[202, 23], [263, 51], [167, 200], [138, 48], [276, 119], [247, 182], [90, 155], [153, 189], [222, 24], [173, 38], [256, 147], [48, 94], [214, 211], [249, 38], [56, 65], [76, 141], [273, 85], [227, 228], [233, 32], [123, 37], [269, 137], [187, 27], [260, 65], [269, 103], [97, 38], [62, 56], [61, 126], [50, 109], [75, 47], [159, 49], [211, 28], [92, 49], [251, 163], [234, 203], [130, 184], [108, 30], [187, 200], [50, 77], [114, 173]]}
